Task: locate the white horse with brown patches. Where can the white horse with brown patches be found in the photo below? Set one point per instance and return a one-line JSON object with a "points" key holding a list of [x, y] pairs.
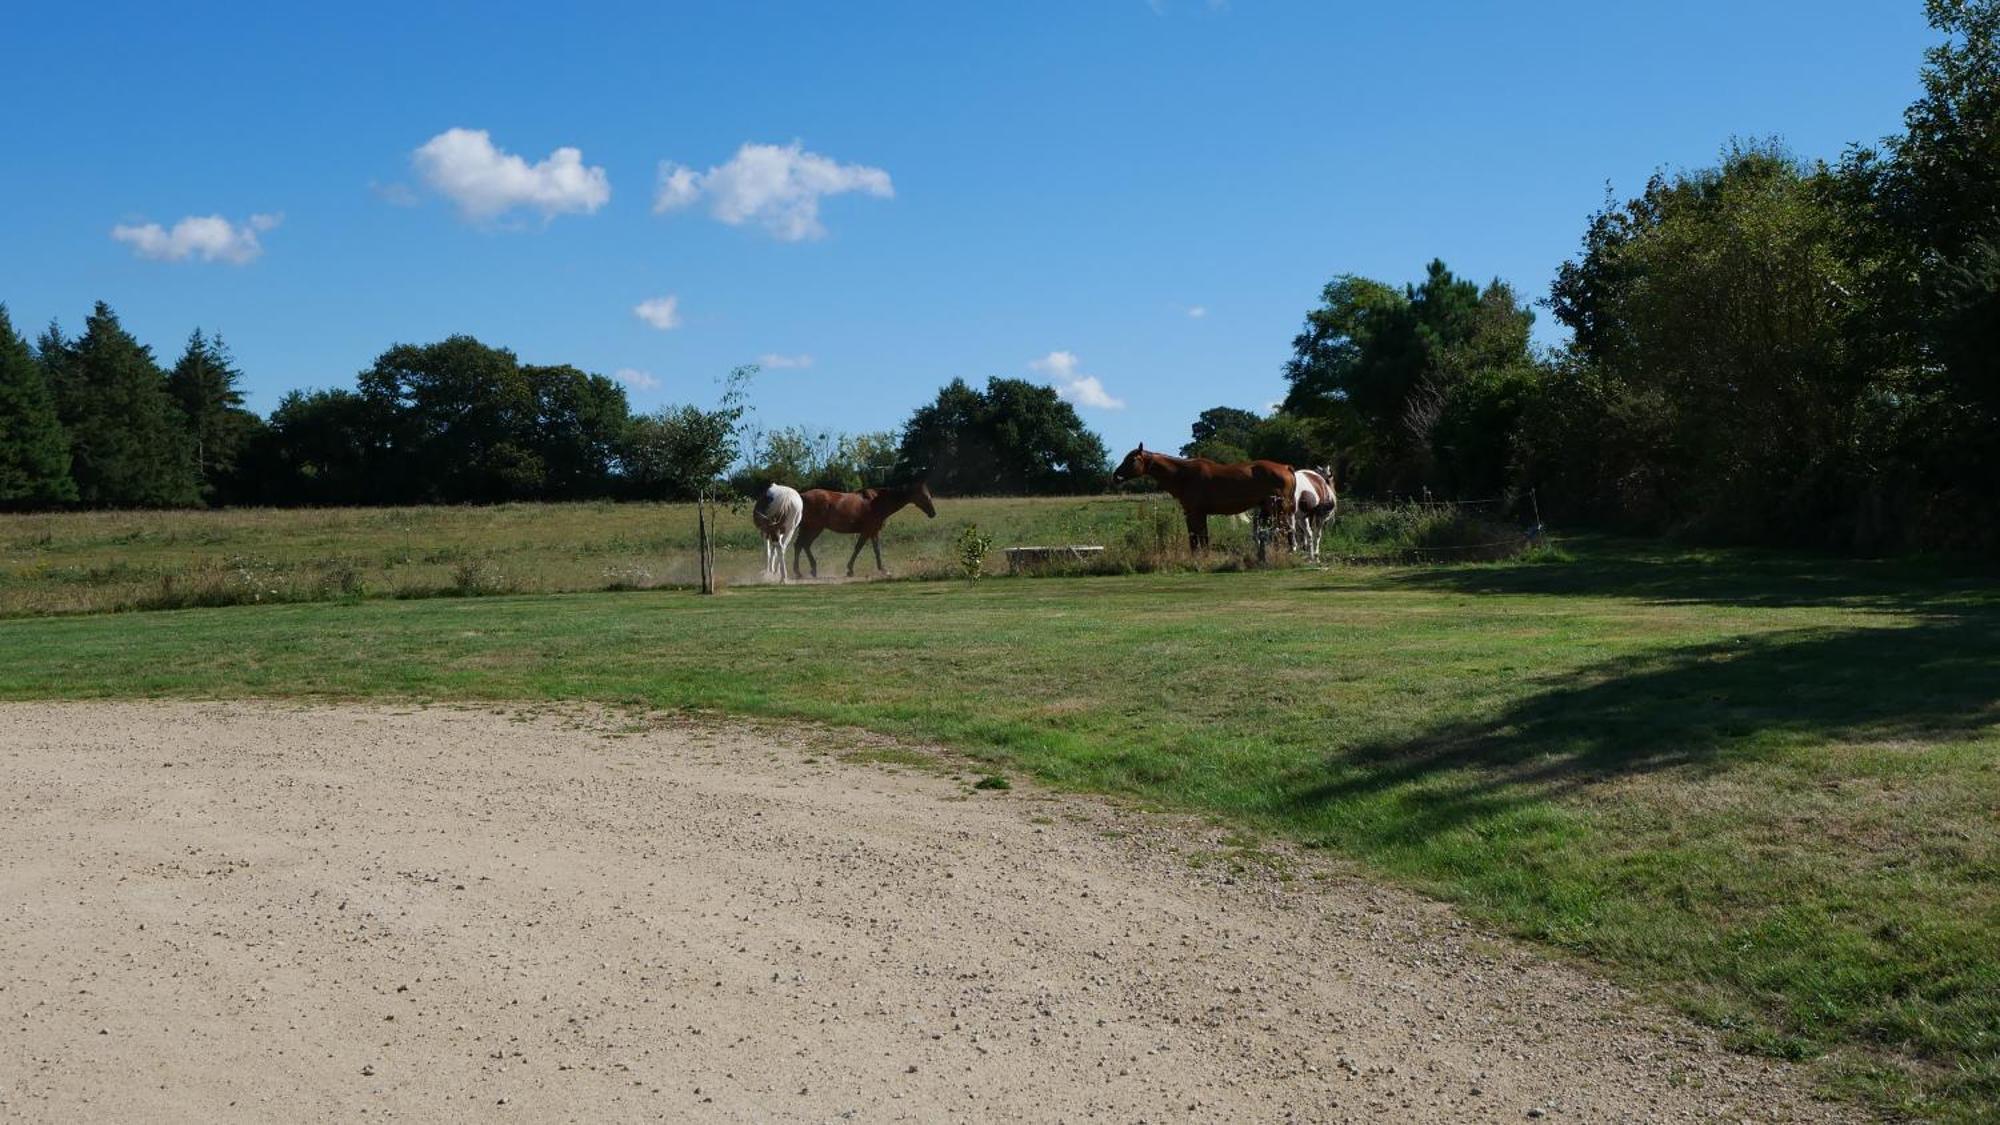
{"points": [[777, 516], [1313, 507]]}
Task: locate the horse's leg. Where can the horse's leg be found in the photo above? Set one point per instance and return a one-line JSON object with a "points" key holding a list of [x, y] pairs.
{"points": [[784, 541], [858, 541], [1197, 532], [804, 543], [877, 541]]}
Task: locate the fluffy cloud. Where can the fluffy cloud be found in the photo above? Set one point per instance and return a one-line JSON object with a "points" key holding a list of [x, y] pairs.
{"points": [[778, 188], [395, 193], [1196, 312], [636, 379], [663, 313], [774, 360], [1073, 385], [211, 238], [464, 166]]}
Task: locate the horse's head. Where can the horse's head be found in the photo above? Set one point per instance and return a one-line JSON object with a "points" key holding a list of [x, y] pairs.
{"points": [[920, 495], [1132, 467]]}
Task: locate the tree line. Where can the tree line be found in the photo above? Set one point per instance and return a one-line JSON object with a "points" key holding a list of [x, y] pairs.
{"points": [[1767, 350], [95, 422]]}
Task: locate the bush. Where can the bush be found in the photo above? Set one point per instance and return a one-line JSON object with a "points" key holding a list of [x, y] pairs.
{"points": [[1414, 533], [972, 548]]}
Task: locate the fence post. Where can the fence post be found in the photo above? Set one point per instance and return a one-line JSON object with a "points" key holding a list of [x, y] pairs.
{"points": [[707, 558]]}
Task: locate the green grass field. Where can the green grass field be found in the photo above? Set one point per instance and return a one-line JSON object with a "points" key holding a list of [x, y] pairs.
{"points": [[1763, 788], [102, 561], [96, 562]]}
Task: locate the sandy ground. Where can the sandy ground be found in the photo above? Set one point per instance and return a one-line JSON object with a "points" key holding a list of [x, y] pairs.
{"points": [[240, 912]]}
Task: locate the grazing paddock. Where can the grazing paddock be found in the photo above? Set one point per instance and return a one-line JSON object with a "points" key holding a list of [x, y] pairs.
{"points": [[1761, 787], [96, 562]]}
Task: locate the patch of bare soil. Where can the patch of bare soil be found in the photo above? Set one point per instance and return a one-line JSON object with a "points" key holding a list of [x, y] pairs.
{"points": [[245, 912]]}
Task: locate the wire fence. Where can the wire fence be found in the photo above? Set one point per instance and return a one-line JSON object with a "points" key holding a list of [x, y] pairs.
{"points": [[1426, 503], [1490, 513]]}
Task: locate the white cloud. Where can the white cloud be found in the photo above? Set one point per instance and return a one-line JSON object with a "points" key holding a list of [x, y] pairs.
{"points": [[211, 238], [679, 187], [636, 379], [778, 188], [1196, 312], [395, 193], [663, 313], [1081, 389], [774, 360], [464, 166]]}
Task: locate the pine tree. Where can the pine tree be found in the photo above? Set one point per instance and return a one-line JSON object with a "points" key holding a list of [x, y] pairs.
{"points": [[128, 446], [203, 385], [34, 450]]}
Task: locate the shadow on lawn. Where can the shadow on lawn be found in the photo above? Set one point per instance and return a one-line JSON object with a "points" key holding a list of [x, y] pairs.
{"points": [[1690, 709], [1611, 568]]}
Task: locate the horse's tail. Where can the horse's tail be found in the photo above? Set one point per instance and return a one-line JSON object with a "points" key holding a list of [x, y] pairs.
{"points": [[779, 508]]}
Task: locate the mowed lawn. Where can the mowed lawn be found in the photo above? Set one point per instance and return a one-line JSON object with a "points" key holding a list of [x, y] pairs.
{"points": [[1763, 788]]}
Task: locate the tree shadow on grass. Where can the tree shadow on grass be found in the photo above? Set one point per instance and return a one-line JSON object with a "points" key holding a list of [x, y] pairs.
{"points": [[1654, 573], [1688, 709]]}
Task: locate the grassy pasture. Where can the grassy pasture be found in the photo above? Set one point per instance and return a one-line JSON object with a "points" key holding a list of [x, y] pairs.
{"points": [[95, 562], [1766, 788]]}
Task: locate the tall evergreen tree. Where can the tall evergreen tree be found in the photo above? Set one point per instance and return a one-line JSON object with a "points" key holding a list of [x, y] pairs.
{"points": [[52, 352], [128, 446], [34, 450], [203, 385]]}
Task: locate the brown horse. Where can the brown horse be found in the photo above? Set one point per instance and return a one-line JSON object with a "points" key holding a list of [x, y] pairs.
{"points": [[860, 514], [1208, 488]]}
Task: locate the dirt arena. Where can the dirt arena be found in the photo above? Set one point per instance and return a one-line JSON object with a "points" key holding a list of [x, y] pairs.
{"points": [[245, 912]]}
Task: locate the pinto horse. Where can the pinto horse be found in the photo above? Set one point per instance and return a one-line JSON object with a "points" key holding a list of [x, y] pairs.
{"points": [[777, 517], [860, 514], [1313, 505], [1208, 488]]}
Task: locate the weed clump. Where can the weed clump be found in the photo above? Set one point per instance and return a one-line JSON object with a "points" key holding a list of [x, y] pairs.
{"points": [[973, 546]]}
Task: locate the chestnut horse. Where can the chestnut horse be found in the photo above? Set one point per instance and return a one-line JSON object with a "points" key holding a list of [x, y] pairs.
{"points": [[1208, 488], [860, 514]]}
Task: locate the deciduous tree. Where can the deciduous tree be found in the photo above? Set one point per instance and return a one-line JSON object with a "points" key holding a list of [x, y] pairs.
{"points": [[1012, 438]]}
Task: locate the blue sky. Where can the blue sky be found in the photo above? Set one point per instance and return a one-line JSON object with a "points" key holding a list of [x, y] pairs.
{"points": [[1043, 190]]}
